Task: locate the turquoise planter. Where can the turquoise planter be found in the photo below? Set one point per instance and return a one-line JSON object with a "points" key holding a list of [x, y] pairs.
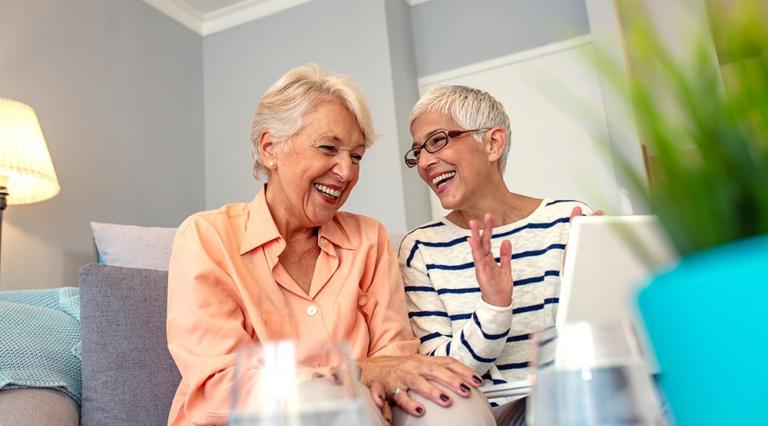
{"points": [[708, 322]]}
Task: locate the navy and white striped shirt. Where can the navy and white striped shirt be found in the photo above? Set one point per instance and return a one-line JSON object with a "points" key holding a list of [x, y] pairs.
{"points": [[444, 303]]}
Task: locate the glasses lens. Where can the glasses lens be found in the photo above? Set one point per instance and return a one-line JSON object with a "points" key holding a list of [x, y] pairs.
{"points": [[436, 142], [412, 158]]}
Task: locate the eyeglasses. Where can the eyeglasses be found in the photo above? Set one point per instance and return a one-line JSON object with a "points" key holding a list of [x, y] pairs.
{"points": [[434, 143]]}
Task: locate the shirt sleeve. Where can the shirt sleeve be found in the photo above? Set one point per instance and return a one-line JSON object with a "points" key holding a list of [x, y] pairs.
{"points": [[204, 325], [390, 330], [478, 342]]}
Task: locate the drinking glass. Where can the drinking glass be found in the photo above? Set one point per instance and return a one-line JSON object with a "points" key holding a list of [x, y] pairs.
{"points": [[296, 384], [591, 375]]}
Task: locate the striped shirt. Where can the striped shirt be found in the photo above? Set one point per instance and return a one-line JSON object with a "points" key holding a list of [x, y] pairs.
{"points": [[447, 313]]}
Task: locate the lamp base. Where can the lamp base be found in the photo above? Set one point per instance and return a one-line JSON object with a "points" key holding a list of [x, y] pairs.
{"points": [[3, 205]]}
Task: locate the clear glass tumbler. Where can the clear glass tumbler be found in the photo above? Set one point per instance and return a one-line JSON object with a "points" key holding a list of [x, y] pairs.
{"points": [[591, 375], [296, 384]]}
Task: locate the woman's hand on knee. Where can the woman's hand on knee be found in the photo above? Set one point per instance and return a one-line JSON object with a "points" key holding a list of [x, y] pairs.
{"points": [[397, 377]]}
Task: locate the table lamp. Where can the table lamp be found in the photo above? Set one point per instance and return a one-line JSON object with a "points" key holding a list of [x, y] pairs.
{"points": [[26, 171]]}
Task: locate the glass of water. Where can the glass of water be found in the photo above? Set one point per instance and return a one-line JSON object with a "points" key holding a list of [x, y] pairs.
{"points": [[591, 375], [296, 384]]}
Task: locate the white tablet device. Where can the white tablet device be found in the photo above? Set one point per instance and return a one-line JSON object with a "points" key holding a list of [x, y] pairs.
{"points": [[607, 260]]}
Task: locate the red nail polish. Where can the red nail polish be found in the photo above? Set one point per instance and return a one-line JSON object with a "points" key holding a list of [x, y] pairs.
{"points": [[419, 410]]}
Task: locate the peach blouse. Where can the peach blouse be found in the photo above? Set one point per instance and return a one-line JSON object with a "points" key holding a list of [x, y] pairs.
{"points": [[227, 289]]}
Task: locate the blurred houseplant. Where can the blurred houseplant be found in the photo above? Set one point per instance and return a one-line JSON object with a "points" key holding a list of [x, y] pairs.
{"points": [[704, 123]]}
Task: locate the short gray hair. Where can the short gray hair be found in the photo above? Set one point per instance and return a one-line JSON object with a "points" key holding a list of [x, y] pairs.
{"points": [[471, 108], [285, 104]]}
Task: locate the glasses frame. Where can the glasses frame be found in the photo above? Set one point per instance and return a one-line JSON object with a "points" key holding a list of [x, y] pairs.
{"points": [[449, 135]]}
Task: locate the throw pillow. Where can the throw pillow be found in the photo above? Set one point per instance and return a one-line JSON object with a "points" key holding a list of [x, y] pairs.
{"points": [[133, 246]]}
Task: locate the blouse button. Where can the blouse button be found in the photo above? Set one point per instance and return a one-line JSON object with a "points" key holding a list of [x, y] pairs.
{"points": [[312, 310], [362, 301]]}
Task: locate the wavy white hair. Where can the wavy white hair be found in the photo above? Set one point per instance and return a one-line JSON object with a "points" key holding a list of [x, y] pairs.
{"points": [[286, 103]]}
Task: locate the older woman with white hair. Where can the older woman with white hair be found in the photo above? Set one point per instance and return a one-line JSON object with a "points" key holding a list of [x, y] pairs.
{"points": [[458, 270], [289, 266]]}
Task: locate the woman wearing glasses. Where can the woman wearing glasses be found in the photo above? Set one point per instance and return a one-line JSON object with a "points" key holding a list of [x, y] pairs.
{"points": [[460, 271]]}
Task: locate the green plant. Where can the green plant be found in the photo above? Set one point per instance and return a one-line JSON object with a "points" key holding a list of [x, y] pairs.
{"points": [[708, 141]]}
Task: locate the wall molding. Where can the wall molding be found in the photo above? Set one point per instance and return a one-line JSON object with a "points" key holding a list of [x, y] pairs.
{"points": [[181, 12], [504, 60], [222, 19], [414, 2]]}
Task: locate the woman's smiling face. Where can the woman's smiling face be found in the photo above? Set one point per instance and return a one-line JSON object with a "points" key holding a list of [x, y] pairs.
{"points": [[455, 171], [313, 174]]}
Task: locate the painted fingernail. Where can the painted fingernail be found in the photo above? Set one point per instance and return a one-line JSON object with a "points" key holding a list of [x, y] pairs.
{"points": [[477, 380], [464, 387], [444, 397], [419, 410]]}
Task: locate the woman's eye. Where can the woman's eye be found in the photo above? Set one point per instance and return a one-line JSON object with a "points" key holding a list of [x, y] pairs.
{"points": [[437, 140], [357, 157], [328, 149]]}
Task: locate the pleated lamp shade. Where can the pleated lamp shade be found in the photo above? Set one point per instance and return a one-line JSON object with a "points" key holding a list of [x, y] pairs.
{"points": [[25, 164]]}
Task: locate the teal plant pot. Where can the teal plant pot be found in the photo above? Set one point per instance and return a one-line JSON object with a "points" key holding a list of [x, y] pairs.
{"points": [[707, 320]]}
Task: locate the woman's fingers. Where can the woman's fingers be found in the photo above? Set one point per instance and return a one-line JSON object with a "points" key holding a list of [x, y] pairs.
{"points": [[378, 394], [488, 232], [478, 255], [576, 212], [459, 374], [386, 412], [450, 373], [505, 258], [474, 238], [401, 397], [428, 390]]}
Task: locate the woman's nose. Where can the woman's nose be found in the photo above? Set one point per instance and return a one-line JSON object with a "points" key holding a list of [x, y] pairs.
{"points": [[345, 168], [426, 159]]}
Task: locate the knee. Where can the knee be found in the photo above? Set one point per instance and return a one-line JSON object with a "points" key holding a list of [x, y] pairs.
{"points": [[471, 410]]}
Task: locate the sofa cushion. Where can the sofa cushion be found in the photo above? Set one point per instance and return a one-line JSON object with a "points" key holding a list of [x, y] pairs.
{"points": [[129, 377]]}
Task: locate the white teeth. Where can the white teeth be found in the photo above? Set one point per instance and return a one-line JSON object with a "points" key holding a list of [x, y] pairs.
{"points": [[324, 189], [445, 176]]}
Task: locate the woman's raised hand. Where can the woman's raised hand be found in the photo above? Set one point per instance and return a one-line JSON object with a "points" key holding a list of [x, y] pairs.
{"points": [[495, 279], [394, 378]]}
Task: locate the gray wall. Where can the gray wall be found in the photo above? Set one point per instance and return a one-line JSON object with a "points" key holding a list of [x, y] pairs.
{"points": [[121, 91], [448, 34], [343, 36], [385, 46], [117, 87]]}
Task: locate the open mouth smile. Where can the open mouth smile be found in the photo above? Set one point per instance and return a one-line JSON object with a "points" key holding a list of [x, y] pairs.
{"points": [[440, 180], [329, 194]]}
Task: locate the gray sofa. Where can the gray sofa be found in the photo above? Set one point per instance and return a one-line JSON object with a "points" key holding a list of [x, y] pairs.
{"points": [[128, 376]]}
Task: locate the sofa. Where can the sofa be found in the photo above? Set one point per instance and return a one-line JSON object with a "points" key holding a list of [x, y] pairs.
{"points": [[128, 375]]}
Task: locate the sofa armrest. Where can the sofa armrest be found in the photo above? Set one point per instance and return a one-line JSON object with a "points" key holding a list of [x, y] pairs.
{"points": [[129, 377]]}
